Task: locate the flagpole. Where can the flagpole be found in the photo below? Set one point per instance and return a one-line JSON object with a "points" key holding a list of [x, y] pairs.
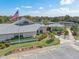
{"points": [[15, 17], [18, 30], [19, 34], [19, 26]]}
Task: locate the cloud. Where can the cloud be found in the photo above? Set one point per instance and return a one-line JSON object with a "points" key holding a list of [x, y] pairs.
{"points": [[55, 12], [41, 8], [17, 8], [27, 7], [51, 12], [66, 2], [64, 9]]}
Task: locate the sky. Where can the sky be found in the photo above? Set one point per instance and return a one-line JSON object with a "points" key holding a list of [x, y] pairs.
{"points": [[49, 8]]}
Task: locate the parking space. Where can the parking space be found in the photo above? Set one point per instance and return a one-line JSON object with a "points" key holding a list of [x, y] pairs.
{"points": [[44, 55]]}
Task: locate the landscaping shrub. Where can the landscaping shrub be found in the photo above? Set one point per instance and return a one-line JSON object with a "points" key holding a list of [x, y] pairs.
{"points": [[51, 36], [3, 45], [75, 29], [49, 41], [56, 41], [41, 37], [66, 32], [58, 30]]}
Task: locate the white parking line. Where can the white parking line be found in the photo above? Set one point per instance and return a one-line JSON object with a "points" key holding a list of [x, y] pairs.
{"points": [[36, 56], [27, 54], [51, 55]]}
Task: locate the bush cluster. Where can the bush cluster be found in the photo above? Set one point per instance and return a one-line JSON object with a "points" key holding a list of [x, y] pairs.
{"points": [[3, 45], [41, 37]]}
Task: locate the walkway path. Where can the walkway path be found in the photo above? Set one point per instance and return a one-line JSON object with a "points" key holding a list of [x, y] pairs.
{"points": [[71, 37]]}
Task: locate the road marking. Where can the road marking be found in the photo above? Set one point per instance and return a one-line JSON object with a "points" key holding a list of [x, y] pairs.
{"points": [[27, 55], [51, 55], [36, 56], [13, 58]]}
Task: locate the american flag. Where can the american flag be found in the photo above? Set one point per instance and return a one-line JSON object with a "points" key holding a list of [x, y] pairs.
{"points": [[15, 16]]}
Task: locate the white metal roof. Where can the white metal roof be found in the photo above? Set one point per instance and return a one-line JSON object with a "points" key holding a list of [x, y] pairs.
{"points": [[11, 28], [56, 25]]}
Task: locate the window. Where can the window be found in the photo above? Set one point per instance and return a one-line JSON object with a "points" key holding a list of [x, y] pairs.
{"points": [[48, 28]]}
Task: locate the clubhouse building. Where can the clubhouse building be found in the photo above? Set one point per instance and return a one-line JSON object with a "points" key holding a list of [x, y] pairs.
{"points": [[23, 28]]}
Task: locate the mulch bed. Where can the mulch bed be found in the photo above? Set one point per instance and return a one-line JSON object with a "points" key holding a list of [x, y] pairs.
{"points": [[17, 50]]}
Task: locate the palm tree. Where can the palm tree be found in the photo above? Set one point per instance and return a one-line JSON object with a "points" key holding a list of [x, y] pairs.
{"points": [[45, 22]]}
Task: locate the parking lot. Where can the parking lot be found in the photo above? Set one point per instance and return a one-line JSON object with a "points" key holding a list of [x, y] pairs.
{"points": [[77, 43], [62, 52]]}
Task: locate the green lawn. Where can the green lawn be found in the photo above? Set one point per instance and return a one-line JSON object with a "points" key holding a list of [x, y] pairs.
{"points": [[39, 43], [76, 37]]}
